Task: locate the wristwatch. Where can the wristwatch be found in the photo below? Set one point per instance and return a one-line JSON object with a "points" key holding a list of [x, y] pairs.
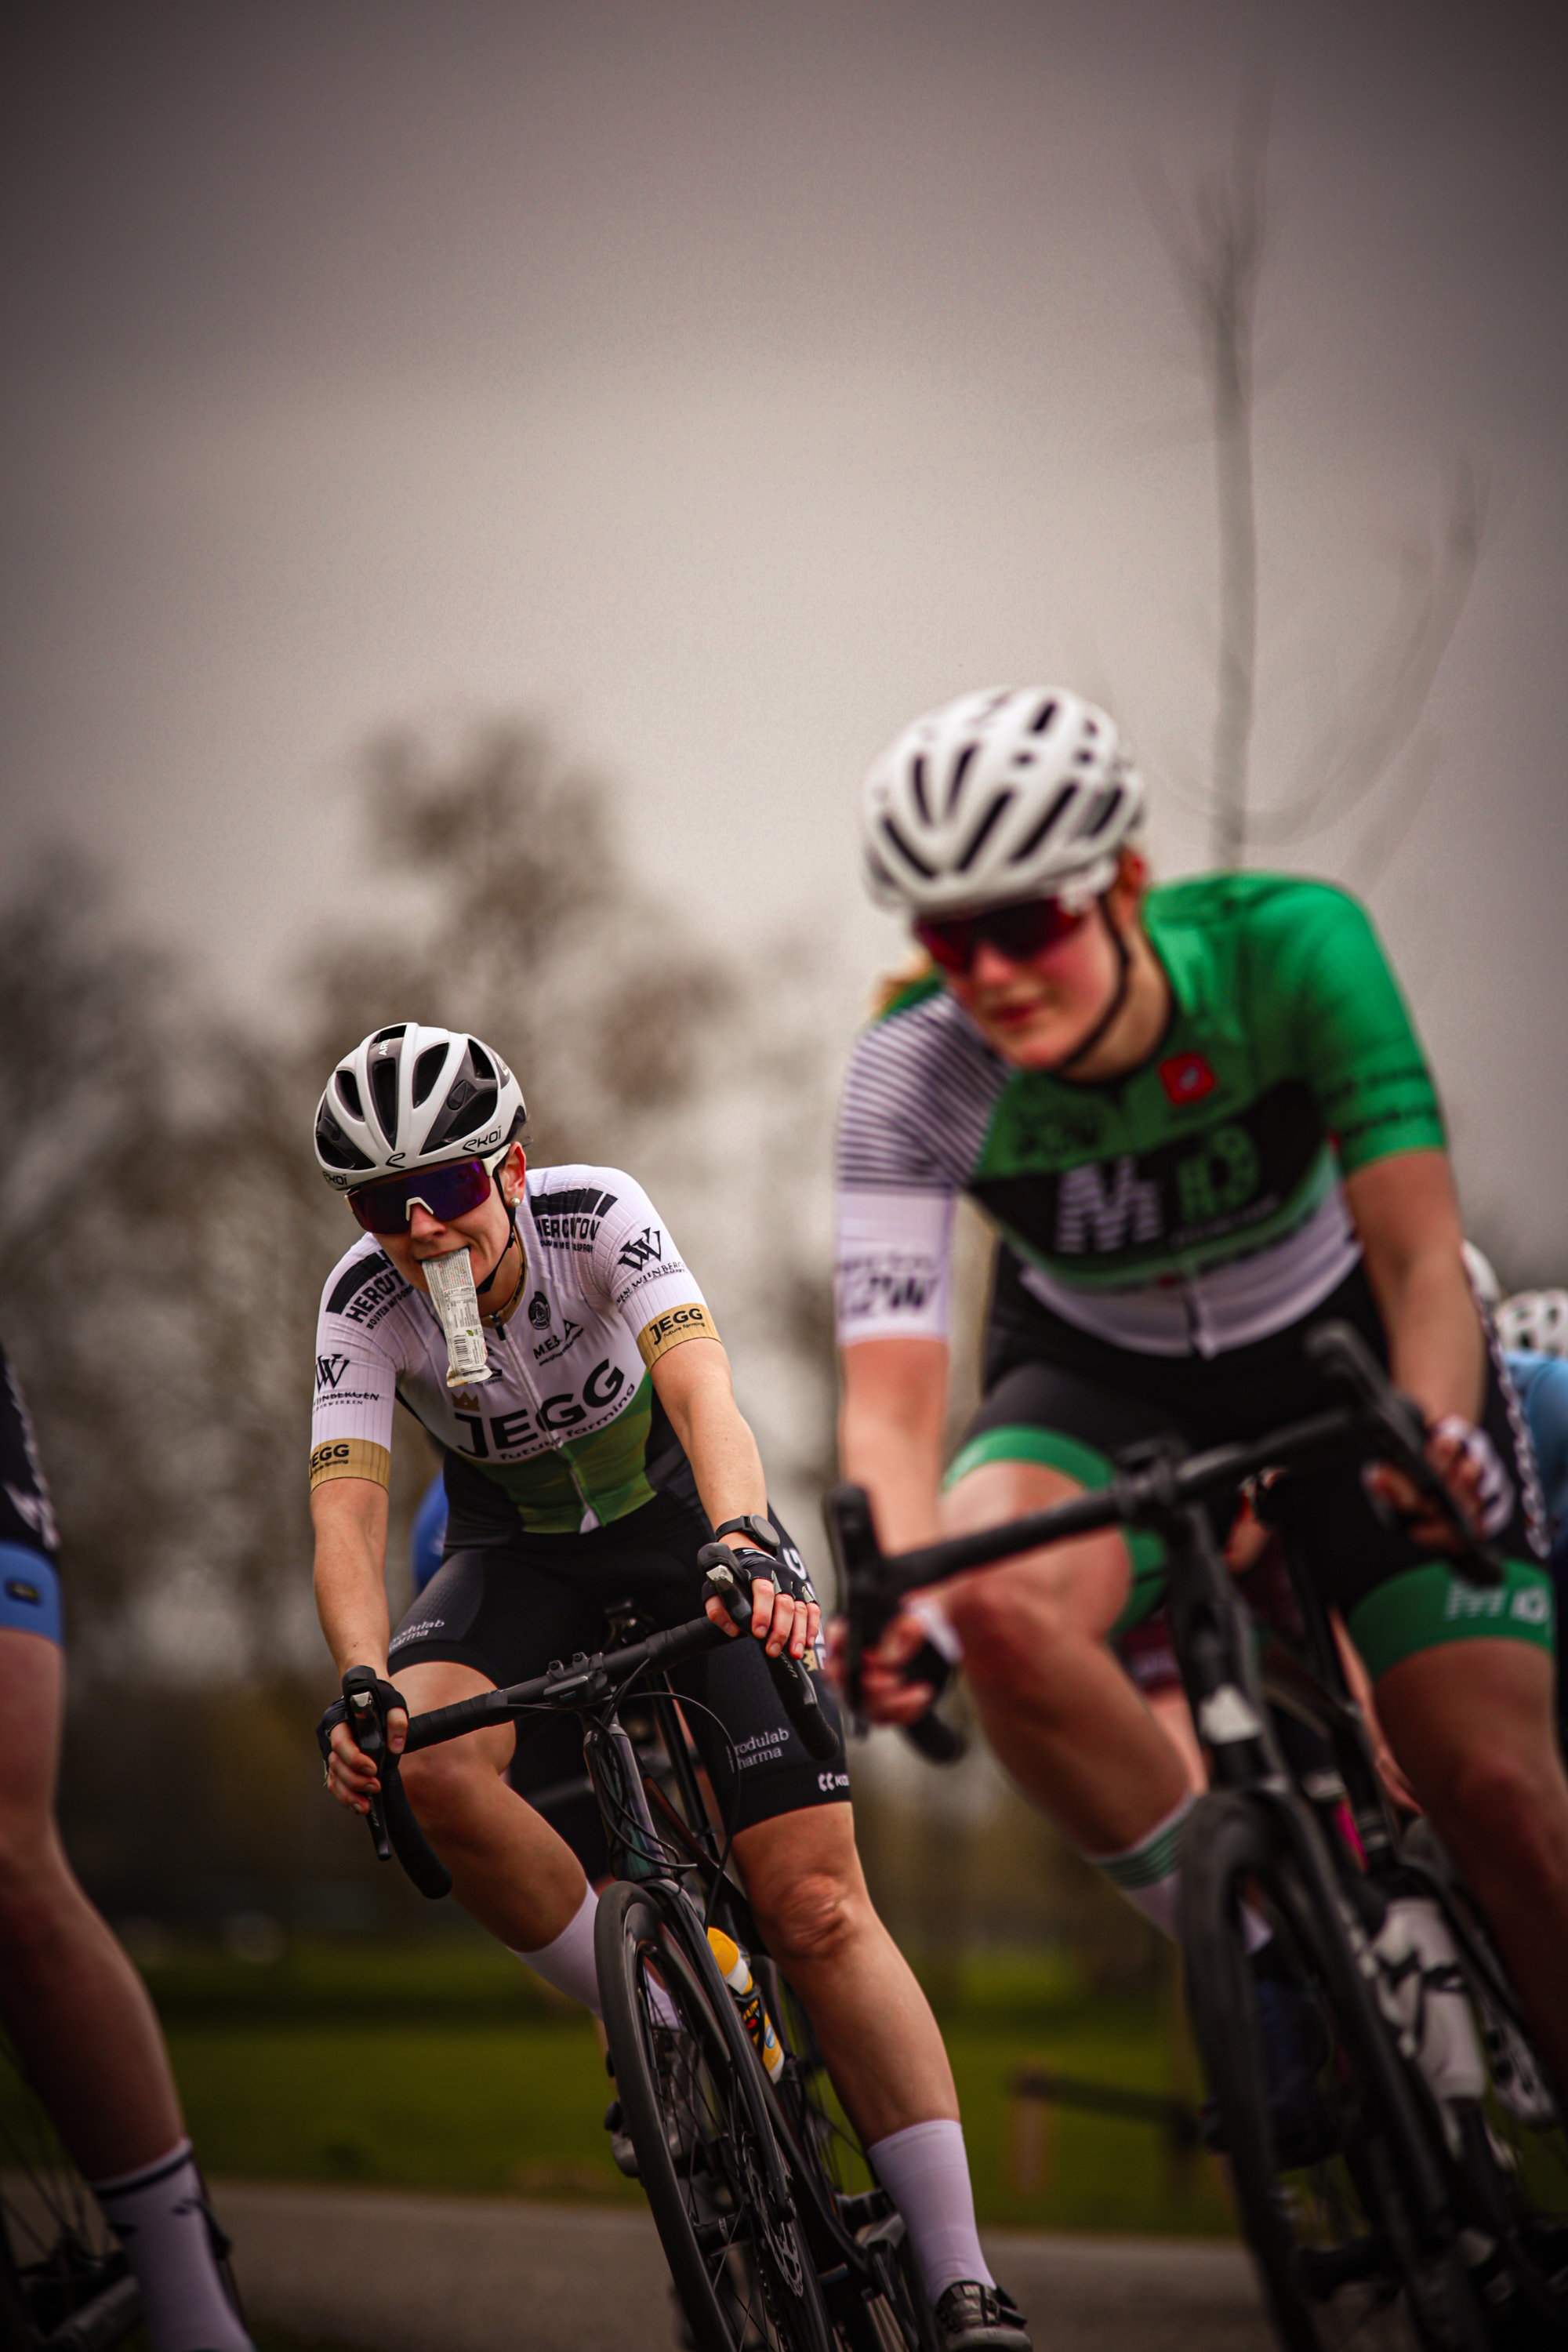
{"points": [[758, 1531]]}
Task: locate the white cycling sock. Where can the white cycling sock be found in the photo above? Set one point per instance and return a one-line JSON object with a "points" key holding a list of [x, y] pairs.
{"points": [[925, 2172], [1150, 1873], [567, 1961], [159, 2217]]}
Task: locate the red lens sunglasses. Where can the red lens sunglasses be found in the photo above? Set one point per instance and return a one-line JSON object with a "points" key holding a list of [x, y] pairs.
{"points": [[448, 1192], [1016, 932]]}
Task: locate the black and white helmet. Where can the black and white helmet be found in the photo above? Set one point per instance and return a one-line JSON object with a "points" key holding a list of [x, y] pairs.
{"points": [[412, 1097], [1017, 793], [1535, 1321]]}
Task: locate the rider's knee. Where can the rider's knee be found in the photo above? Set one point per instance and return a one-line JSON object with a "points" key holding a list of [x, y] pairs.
{"points": [[810, 1919], [441, 1785], [1497, 1803], [35, 1890], [1011, 1641]]}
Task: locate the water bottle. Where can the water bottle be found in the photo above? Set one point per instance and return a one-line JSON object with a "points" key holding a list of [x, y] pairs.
{"points": [[736, 1971]]}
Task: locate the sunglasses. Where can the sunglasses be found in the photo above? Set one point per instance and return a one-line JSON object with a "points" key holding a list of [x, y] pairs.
{"points": [[448, 1192], [1016, 932]]}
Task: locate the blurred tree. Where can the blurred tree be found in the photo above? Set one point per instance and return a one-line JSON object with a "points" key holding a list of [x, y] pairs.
{"points": [[163, 1230], [1217, 255]]}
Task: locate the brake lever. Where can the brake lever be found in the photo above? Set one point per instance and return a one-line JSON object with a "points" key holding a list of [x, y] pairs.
{"points": [[1395, 1430], [867, 1606]]}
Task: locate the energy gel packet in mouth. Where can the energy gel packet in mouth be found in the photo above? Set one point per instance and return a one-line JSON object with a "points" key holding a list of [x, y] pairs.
{"points": [[457, 1302]]}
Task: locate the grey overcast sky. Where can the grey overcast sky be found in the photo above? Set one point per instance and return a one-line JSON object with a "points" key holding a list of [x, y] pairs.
{"points": [[727, 383]]}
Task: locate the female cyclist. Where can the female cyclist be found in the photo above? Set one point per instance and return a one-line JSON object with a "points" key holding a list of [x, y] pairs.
{"points": [[594, 1455], [1199, 1117]]}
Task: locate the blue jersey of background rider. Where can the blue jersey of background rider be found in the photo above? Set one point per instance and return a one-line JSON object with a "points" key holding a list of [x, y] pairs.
{"points": [[429, 1539], [29, 1573], [1541, 1382]]}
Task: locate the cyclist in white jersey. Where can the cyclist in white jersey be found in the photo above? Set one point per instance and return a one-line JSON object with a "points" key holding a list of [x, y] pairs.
{"points": [[1199, 1117], [603, 1450]]}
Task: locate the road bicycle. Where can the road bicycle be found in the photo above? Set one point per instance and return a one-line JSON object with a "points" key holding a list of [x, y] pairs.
{"points": [[1420, 2195], [748, 2167]]}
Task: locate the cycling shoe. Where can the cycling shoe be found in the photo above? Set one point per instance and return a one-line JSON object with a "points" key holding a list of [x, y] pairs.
{"points": [[973, 2317]]}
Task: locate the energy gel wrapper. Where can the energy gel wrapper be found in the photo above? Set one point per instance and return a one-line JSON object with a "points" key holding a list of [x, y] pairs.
{"points": [[455, 1301]]}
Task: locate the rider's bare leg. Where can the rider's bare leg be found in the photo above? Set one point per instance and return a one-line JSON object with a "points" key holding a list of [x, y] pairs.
{"points": [[75, 2005], [510, 1870], [803, 1877], [1061, 1713], [1472, 1723]]}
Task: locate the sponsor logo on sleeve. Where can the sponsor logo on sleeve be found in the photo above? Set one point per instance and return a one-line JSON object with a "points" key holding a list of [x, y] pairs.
{"points": [[367, 1291], [892, 1282], [638, 1249], [350, 1457], [570, 1219], [329, 1371], [668, 1330]]}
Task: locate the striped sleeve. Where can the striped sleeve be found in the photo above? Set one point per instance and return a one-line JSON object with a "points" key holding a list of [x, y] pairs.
{"points": [[918, 1100]]}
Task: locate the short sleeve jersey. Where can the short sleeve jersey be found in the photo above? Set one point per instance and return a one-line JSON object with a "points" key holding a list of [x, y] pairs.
{"points": [[567, 1427], [1193, 1204]]}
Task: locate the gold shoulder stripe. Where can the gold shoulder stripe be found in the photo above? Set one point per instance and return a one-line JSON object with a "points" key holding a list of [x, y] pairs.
{"points": [[668, 1330], [350, 1457]]}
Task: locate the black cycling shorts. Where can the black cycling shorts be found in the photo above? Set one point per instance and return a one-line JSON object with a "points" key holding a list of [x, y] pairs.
{"points": [[507, 1610], [1060, 1396]]}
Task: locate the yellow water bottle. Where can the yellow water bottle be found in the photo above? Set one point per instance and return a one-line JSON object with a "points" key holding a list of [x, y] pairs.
{"points": [[736, 1971]]}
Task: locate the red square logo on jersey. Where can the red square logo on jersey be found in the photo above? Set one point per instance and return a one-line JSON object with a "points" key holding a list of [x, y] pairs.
{"points": [[1187, 1078]]}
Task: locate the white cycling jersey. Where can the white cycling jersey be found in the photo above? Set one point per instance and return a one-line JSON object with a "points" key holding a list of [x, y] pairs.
{"points": [[567, 1427]]}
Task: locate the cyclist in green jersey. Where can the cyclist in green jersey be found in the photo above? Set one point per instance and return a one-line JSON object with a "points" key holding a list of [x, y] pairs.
{"points": [[1199, 1117]]}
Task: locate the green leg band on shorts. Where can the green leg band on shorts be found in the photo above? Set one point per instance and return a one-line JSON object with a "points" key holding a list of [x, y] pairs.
{"points": [[1022, 1442], [1428, 1606]]}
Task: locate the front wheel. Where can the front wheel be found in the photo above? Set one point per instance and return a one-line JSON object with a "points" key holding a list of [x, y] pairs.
{"points": [[1304, 2107], [696, 2108]]}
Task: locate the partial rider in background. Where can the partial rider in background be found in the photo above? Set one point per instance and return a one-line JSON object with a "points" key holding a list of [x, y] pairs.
{"points": [[75, 2008]]}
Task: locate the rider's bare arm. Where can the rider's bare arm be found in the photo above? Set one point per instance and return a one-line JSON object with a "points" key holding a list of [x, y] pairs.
{"points": [[889, 1434], [350, 1518], [890, 1442], [694, 1387], [1407, 1217]]}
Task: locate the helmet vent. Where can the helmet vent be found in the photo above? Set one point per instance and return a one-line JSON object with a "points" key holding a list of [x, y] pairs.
{"points": [[426, 1070], [398, 1029], [1042, 717], [909, 855], [918, 785], [333, 1145], [961, 769], [987, 825], [1101, 812], [384, 1092], [1031, 843], [347, 1086]]}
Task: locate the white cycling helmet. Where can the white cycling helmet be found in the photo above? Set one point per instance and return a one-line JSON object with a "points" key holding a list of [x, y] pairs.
{"points": [[1483, 1280], [412, 1097], [1017, 793], [1536, 1320]]}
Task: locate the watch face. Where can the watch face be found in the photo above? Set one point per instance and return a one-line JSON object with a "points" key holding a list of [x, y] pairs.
{"points": [[754, 1529]]}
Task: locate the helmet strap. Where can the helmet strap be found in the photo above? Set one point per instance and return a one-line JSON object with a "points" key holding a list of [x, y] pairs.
{"points": [[480, 1287], [1119, 998]]}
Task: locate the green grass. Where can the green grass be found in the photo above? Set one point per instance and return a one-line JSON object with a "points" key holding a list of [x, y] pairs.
{"points": [[442, 2068]]}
